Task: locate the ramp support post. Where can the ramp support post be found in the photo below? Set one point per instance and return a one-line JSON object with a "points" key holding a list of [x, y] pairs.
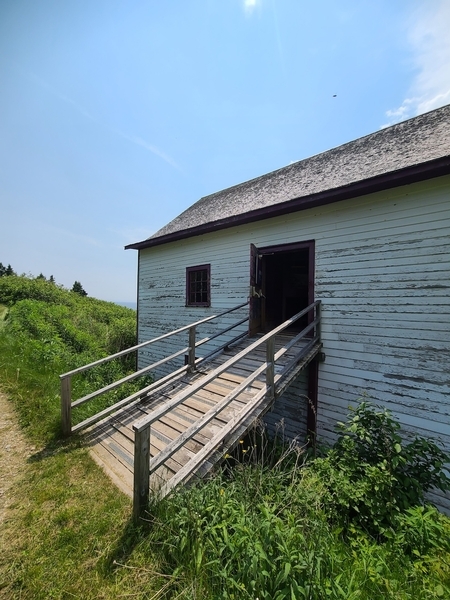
{"points": [[66, 405], [191, 351], [270, 369], [141, 487]]}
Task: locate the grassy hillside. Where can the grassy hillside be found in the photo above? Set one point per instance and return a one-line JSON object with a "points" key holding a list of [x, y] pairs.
{"points": [[49, 330], [68, 523]]}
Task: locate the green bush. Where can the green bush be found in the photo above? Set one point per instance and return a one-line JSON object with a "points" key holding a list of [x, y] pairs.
{"points": [[371, 474], [420, 530], [13, 289]]}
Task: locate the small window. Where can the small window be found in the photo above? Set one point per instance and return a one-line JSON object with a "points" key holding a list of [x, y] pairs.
{"points": [[198, 285]]}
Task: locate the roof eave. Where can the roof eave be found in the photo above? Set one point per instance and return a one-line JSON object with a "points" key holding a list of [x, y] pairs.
{"points": [[420, 172]]}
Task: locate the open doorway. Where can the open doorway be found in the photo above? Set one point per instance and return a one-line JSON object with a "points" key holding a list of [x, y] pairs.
{"points": [[281, 284]]}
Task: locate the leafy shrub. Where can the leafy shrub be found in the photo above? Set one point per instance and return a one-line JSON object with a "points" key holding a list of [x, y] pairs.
{"points": [[421, 529], [13, 289], [371, 474]]}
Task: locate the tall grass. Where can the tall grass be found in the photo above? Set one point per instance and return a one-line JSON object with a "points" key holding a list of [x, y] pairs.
{"points": [[67, 523], [262, 529]]}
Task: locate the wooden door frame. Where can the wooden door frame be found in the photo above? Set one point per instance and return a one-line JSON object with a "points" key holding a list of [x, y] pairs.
{"points": [[275, 249], [255, 292], [292, 247]]}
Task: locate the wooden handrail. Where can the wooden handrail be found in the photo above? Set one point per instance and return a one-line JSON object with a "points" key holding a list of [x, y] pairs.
{"points": [[221, 332], [66, 400], [100, 361], [189, 433], [161, 411], [127, 378], [143, 466]]}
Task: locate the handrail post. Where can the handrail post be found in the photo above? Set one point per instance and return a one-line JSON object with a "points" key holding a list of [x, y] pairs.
{"points": [[191, 351], [141, 486], [319, 319], [66, 405], [270, 369]]}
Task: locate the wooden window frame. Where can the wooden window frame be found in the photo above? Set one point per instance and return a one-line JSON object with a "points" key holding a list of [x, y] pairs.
{"points": [[195, 269]]}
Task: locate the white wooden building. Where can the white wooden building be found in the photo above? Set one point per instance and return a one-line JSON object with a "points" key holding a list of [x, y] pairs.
{"points": [[365, 228]]}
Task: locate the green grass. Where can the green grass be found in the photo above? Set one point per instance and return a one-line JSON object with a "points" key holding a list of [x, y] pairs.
{"points": [[267, 526], [70, 528], [264, 529], [250, 532], [69, 534]]}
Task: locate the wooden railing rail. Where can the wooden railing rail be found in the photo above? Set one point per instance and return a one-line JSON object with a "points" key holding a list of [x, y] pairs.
{"points": [[221, 332], [135, 397], [119, 382], [143, 467], [213, 444], [66, 378]]}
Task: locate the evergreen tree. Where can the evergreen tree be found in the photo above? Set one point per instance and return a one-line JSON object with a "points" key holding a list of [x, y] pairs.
{"points": [[2, 270], [9, 270], [51, 279], [40, 276], [78, 289]]}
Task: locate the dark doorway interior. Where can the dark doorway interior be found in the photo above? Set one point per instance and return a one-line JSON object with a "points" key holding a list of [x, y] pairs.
{"points": [[285, 286], [281, 284]]}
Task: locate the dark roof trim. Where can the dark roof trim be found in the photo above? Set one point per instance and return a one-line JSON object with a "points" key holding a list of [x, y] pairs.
{"points": [[420, 172]]}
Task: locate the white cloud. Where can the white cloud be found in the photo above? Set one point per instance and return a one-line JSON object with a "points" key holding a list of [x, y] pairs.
{"points": [[430, 41], [250, 6], [62, 97]]}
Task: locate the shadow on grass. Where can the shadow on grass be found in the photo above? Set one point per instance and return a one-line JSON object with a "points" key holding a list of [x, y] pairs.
{"points": [[57, 445], [133, 534]]}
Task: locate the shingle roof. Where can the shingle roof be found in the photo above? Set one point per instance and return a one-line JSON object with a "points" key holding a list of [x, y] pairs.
{"points": [[380, 156]]}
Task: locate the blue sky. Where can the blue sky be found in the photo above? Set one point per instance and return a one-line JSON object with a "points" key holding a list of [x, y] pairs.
{"points": [[116, 115]]}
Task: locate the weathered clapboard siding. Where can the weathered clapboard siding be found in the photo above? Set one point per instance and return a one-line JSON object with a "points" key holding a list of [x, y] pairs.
{"points": [[287, 419], [382, 269]]}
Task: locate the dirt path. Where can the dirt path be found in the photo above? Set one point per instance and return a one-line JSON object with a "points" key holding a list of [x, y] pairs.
{"points": [[14, 451]]}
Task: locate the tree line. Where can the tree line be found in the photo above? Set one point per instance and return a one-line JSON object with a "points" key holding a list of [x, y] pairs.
{"points": [[9, 272]]}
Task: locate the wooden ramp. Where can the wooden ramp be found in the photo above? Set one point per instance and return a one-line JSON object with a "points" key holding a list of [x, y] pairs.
{"points": [[201, 416]]}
